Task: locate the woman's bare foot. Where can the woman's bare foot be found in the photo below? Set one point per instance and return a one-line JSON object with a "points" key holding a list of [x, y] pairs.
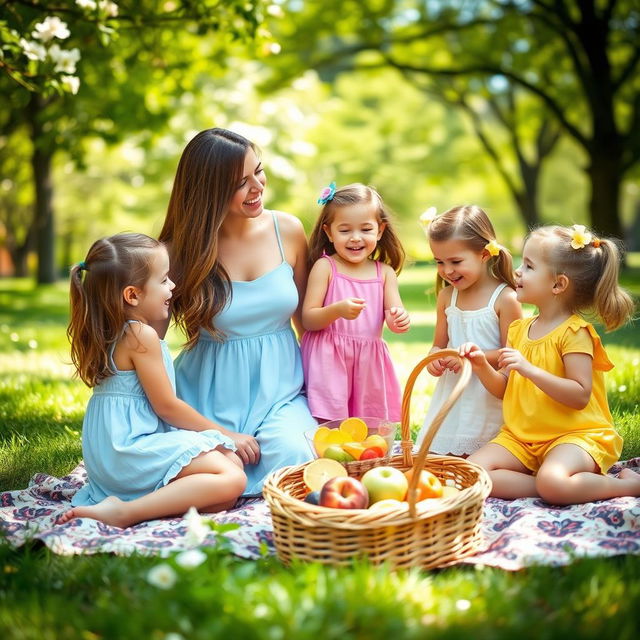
{"points": [[110, 511]]}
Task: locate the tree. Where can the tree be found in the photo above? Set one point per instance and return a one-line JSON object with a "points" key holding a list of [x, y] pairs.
{"points": [[113, 74], [578, 57]]}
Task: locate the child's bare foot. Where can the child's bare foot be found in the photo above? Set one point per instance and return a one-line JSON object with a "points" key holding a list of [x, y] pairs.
{"points": [[632, 480], [110, 511]]}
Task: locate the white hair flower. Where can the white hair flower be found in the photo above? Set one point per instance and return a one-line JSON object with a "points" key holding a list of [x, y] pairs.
{"points": [[580, 237], [427, 218]]}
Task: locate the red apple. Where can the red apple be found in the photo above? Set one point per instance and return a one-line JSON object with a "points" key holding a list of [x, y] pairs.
{"points": [[384, 483], [371, 453], [344, 493]]}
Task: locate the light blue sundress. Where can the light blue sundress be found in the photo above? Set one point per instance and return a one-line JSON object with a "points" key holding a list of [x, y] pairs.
{"points": [[128, 450], [252, 381]]}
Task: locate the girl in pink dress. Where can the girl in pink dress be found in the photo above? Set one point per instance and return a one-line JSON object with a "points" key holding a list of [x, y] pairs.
{"points": [[352, 291]]}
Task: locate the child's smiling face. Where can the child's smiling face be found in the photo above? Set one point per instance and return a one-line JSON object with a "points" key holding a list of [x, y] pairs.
{"points": [[154, 300], [534, 278], [459, 264], [354, 232]]}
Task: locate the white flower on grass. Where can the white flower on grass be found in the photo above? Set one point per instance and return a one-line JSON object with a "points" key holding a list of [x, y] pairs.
{"points": [[65, 59], [86, 4], [70, 83], [162, 576], [622, 388], [197, 530], [191, 558], [110, 8], [33, 50], [173, 636], [51, 27]]}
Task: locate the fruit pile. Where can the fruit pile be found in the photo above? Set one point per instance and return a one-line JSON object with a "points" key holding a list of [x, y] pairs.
{"points": [[381, 487], [349, 442]]}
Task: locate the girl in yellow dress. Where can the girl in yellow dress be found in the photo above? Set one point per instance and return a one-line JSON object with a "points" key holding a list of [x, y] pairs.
{"points": [[558, 440]]}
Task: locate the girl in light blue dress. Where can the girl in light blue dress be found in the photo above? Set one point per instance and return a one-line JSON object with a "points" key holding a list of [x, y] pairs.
{"points": [[241, 273], [147, 453]]}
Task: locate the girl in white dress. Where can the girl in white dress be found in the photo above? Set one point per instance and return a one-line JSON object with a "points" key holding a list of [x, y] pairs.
{"points": [[476, 303]]}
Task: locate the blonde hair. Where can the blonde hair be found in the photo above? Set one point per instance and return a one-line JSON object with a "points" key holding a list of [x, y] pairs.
{"points": [[97, 306], [471, 225], [389, 248], [207, 177], [593, 272]]}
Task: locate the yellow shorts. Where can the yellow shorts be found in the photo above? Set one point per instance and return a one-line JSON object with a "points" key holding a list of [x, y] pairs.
{"points": [[604, 446]]}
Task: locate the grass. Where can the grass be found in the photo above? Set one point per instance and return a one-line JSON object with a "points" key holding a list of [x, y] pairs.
{"points": [[44, 596]]}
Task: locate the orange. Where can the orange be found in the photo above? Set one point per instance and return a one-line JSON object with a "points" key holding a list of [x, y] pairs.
{"points": [[320, 439], [376, 440], [317, 472], [429, 486], [356, 428]]}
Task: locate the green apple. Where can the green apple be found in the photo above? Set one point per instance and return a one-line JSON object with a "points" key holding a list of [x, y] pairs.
{"points": [[385, 483], [336, 452]]}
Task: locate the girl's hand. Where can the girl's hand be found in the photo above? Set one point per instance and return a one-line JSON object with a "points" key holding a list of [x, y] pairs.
{"points": [[350, 308], [512, 360], [398, 319], [248, 449], [474, 354], [436, 367], [451, 363]]}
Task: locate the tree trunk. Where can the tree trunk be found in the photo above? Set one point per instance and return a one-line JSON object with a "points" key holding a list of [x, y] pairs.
{"points": [[43, 214], [604, 206], [527, 197]]}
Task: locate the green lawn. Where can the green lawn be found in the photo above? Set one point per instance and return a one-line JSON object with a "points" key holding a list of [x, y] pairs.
{"points": [[47, 596]]}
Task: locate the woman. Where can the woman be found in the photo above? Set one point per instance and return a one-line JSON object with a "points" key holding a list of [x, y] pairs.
{"points": [[240, 274]]}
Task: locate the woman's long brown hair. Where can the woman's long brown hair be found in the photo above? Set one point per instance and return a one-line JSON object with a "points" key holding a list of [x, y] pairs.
{"points": [[208, 175], [98, 309]]}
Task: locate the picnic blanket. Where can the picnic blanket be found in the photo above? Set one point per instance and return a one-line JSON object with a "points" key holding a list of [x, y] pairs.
{"points": [[518, 533]]}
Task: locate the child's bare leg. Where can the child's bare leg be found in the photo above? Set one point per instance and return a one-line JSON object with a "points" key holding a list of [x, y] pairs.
{"points": [[569, 475], [510, 478], [209, 477]]}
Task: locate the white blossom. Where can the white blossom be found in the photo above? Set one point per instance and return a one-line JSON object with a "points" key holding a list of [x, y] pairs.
{"points": [[86, 4], [33, 50], [191, 558], [52, 27], [110, 8], [70, 83], [65, 59], [197, 530], [162, 576]]}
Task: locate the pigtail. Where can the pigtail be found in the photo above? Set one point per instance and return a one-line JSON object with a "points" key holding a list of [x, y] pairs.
{"points": [[610, 302], [502, 268]]}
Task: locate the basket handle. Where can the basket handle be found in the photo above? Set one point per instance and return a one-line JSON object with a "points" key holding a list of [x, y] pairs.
{"points": [[407, 443]]}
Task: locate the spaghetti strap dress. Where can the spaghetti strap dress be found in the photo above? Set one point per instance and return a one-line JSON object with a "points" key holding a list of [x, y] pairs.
{"points": [[128, 450], [477, 415], [252, 381], [347, 365]]}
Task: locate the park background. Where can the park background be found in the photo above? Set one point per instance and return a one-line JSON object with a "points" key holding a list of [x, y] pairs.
{"points": [[528, 108]]}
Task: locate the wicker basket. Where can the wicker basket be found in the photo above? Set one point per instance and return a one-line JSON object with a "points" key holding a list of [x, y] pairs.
{"points": [[427, 534]]}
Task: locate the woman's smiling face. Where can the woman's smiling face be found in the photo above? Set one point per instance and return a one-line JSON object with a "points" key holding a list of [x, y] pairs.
{"points": [[247, 200]]}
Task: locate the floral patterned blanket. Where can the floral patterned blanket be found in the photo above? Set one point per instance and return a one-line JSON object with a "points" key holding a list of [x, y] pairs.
{"points": [[517, 533]]}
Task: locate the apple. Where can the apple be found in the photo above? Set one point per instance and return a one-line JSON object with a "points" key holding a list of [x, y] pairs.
{"points": [[313, 497], [448, 491], [389, 503], [336, 452], [371, 453], [344, 493], [428, 484], [384, 483]]}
